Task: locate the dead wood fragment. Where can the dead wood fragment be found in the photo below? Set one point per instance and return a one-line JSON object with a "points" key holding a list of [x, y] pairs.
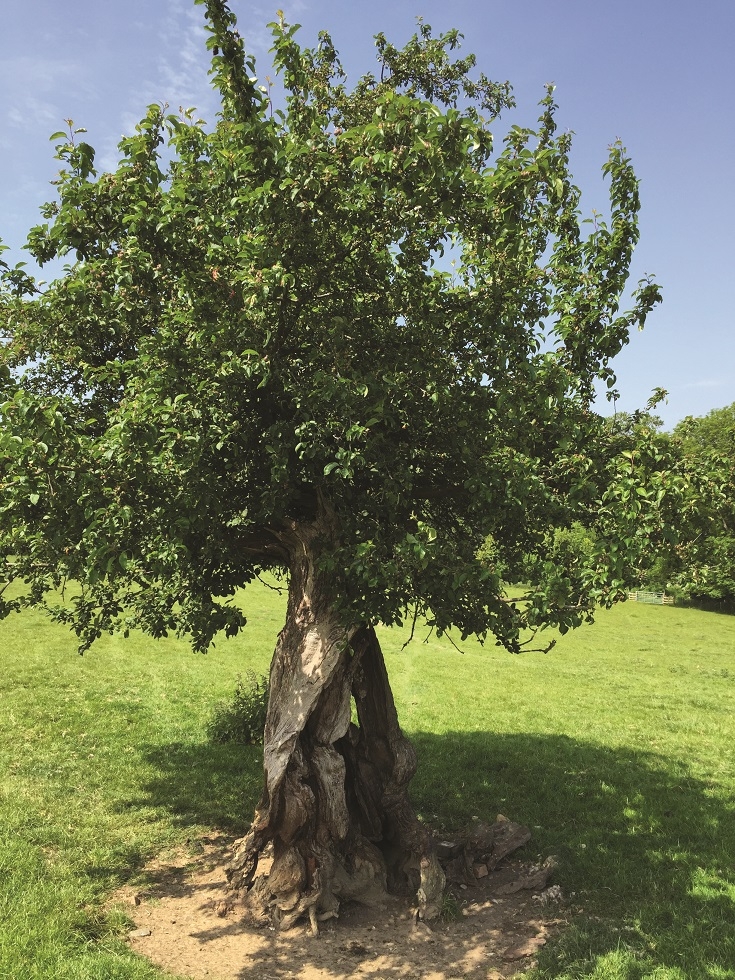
{"points": [[431, 890], [531, 879]]}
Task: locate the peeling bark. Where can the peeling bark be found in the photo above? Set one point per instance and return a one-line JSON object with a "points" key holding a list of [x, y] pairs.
{"points": [[335, 803]]}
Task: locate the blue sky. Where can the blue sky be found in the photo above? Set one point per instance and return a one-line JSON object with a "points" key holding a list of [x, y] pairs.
{"points": [[658, 74]]}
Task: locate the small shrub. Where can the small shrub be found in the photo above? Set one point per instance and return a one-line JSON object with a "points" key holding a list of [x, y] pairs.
{"points": [[242, 719]]}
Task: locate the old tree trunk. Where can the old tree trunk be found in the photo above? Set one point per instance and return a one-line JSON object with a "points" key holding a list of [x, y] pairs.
{"points": [[335, 804]]}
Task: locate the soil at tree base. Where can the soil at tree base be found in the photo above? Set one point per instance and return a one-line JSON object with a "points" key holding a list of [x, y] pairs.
{"points": [[187, 921]]}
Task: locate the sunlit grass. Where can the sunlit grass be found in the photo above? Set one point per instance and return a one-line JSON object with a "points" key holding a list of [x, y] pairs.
{"points": [[617, 748]]}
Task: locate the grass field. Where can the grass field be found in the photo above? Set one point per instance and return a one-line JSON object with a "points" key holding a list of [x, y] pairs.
{"points": [[618, 749]]}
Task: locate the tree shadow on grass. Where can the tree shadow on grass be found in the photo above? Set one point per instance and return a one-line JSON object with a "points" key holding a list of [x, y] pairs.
{"points": [[645, 849], [726, 607], [202, 783]]}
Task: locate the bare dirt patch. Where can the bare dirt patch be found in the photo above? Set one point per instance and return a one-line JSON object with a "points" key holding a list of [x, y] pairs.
{"points": [[188, 922]]}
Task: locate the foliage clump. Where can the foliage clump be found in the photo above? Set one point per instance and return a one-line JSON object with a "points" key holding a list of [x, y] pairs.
{"points": [[242, 719], [256, 341], [696, 562]]}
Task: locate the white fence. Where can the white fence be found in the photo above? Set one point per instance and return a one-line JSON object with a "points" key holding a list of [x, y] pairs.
{"points": [[653, 598]]}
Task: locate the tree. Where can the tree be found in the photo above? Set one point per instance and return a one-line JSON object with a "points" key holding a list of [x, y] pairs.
{"points": [[256, 359], [714, 432], [700, 565], [692, 547]]}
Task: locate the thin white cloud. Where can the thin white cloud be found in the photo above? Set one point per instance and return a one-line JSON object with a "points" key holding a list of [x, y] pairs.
{"points": [[30, 88], [183, 67], [180, 77], [177, 76], [704, 383], [32, 114]]}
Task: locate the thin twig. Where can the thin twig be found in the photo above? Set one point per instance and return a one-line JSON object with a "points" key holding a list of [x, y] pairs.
{"points": [[274, 588], [413, 628], [453, 642]]}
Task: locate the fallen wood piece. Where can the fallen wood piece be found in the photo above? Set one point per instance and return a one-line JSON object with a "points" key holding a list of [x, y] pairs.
{"points": [[532, 879], [509, 837]]}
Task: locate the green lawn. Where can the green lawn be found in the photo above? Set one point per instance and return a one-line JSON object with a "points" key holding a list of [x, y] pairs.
{"points": [[617, 748]]}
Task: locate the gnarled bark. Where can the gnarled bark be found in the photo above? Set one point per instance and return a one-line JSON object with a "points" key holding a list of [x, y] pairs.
{"points": [[335, 801]]}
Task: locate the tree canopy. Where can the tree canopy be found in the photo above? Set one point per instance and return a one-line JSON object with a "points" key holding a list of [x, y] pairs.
{"points": [[256, 322], [698, 562], [349, 337]]}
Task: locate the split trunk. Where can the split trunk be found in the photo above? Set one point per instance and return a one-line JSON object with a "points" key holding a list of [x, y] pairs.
{"points": [[335, 804]]}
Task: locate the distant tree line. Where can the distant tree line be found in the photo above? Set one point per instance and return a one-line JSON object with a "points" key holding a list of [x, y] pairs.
{"points": [[700, 565], [692, 552]]}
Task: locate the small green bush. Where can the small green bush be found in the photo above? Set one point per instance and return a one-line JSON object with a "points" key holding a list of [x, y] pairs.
{"points": [[241, 720]]}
